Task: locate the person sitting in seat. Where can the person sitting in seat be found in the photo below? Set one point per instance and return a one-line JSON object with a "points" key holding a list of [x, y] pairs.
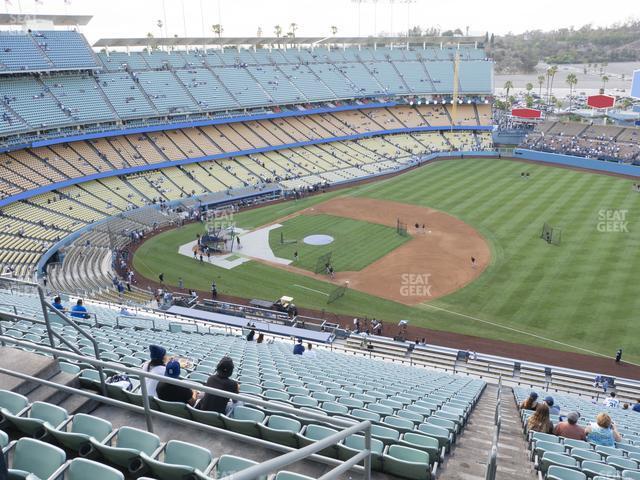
{"points": [[539, 421], [570, 428], [603, 431], [156, 364], [530, 403], [79, 310], [57, 304], [221, 380], [309, 352], [174, 393], [611, 401], [553, 408], [636, 407], [298, 348]]}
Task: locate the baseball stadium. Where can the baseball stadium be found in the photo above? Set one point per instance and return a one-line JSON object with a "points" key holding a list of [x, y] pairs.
{"points": [[294, 257]]}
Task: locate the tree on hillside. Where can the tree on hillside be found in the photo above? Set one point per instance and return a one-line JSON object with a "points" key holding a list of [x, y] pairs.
{"points": [[572, 81], [528, 87], [605, 79]]}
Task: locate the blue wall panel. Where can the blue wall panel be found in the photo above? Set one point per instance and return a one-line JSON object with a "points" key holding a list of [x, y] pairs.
{"points": [[578, 162]]}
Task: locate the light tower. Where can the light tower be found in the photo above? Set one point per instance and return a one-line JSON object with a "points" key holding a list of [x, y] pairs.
{"points": [[456, 88]]}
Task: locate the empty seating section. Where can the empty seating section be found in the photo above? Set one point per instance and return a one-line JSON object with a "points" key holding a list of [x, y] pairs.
{"points": [[203, 85], [166, 93], [80, 97], [44, 50], [416, 413], [243, 87], [563, 458], [32, 102], [276, 84], [125, 95]]}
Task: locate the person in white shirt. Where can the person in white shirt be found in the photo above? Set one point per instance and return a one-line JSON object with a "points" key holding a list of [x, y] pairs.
{"points": [[611, 401], [309, 352], [155, 364]]}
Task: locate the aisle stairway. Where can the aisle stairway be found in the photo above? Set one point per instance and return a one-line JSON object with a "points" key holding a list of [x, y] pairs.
{"points": [[469, 457]]}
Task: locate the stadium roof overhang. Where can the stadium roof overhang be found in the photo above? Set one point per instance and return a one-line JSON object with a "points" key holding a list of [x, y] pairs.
{"points": [[57, 20], [270, 41]]}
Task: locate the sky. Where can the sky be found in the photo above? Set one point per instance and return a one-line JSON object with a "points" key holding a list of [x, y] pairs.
{"points": [[136, 18]]}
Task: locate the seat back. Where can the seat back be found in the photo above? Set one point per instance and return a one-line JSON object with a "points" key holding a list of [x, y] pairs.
{"points": [[182, 453], [37, 457], [95, 427], [47, 412], [561, 473], [408, 454], [283, 423], [12, 402], [83, 469], [136, 439], [229, 464], [318, 432]]}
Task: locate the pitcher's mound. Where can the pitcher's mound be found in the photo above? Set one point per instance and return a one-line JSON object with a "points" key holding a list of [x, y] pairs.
{"points": [[318, 239]]}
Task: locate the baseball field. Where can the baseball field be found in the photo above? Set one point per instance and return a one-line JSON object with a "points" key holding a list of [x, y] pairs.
{"points": [[580, 295]]}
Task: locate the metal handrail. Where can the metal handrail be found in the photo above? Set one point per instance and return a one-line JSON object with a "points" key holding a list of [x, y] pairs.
{"points": [[264, 443]]}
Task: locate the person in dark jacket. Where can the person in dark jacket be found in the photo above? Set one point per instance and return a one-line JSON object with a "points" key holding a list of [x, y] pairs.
{"points": [[298, 348], [221, 380]]}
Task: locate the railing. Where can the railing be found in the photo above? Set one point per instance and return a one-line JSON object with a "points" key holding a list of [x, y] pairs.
{"points": [[492, 463], [293, 455]]}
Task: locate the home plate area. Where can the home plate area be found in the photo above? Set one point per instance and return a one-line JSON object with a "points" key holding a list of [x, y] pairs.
{"points": [[253, 245]]}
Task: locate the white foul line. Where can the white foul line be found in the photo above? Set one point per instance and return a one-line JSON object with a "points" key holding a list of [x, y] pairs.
{"points": [[517, 331], [311, 289]]}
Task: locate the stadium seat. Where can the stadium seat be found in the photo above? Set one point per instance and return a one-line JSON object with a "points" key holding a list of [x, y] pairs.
{"points": [[11, 404], [592, 469], [35, 457], [83, 427], [424, 443], [312, 433], [622, 463], [585, 455], [179, 409], [354, 444], [244, 420], [39, 416], [561, 473], [441, 434], [180, 460], [130, 443], [83, 469], [280, 430], [406, 462], [550, 459], [230, 464], [284, 475], [631, 474]]}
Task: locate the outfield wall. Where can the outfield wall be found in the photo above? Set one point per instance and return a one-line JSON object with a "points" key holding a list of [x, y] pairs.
{"points": [[578, 162]]}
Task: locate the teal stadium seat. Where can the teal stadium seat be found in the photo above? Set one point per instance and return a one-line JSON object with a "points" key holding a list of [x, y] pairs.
{"points": [[82, 428], [406, 462], [32, 456], [181, 460], [130, 443]]}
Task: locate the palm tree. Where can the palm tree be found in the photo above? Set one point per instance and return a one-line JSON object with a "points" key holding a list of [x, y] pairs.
{"points": [[572, 81], [217, 29], [508, 85], [293, 26], [551, 73], [528, 87], [334, 30], [605, 79], [278, 31], [259, 32], [540, 84]]}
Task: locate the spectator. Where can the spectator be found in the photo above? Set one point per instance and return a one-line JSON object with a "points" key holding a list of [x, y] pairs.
{"points": [[57, 304], [298, 348], [221, 380], [309, 352], [530, 403], [260, 338], [603, 431], [553, 408], [636, 407], [611, 401], [155, 364], [174, 393], [251, 334], [625, 406], [79, 310], [570, 428], [539, 421]]}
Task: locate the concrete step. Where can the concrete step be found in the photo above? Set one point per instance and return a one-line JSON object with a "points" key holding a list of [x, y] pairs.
{"points": [[54, 395], [28, 363], [79, 404]]}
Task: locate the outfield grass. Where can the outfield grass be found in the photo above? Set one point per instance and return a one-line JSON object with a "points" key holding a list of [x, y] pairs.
{"points": [[582, 294], [356, 243]]}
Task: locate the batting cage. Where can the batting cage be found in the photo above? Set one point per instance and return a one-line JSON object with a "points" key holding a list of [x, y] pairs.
{"points": [[401, 228], [337, 294], [551, 235], [322, 262], [284, 241]]}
